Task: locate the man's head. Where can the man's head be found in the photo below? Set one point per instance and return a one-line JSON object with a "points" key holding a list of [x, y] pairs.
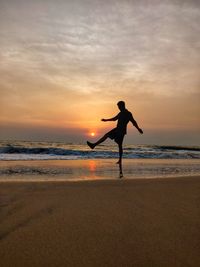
{"points": [[121, 105]]}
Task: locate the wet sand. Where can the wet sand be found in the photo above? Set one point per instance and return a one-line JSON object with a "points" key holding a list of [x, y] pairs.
{"points": [[147, 222], [96, 169]]}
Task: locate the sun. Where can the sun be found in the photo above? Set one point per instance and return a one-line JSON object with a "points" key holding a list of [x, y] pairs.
{"points": [[92, 134]]}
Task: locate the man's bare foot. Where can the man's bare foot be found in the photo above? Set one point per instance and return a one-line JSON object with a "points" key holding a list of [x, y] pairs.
{"points": [[92, 146]]}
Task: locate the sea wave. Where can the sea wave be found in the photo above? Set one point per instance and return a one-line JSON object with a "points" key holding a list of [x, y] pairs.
{"points": [[38, 151], [183, 148]]}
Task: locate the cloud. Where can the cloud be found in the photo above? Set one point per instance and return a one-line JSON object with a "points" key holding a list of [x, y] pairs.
{"points": [[67, 52]]}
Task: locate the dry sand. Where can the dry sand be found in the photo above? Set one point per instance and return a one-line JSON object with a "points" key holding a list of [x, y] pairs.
{"points": [[101, 223]]}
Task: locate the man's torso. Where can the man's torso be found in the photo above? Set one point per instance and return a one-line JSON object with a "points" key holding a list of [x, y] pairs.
{"points": [[123, 118]]}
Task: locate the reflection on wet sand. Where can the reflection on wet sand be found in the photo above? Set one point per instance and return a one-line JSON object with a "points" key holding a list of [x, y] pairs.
{"points": [[65, 170], [120, 170], [92, 165]]}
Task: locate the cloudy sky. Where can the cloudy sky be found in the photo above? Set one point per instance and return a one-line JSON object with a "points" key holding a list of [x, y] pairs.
{"points": [[64, 64]]}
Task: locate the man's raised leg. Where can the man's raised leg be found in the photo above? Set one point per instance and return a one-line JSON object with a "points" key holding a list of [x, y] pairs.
{"points": [[101, 140]]}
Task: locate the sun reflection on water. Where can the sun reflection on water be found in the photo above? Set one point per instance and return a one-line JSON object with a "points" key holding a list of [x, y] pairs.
{"points": [[92, 165]]}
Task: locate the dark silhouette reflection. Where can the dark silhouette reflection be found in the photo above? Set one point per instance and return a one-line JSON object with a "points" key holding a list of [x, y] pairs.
{"points": [[117, 134], [120, 170]]}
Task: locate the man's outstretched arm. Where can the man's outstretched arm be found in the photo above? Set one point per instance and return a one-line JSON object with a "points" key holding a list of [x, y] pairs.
{"points": [[111, 119], [136, 125]]}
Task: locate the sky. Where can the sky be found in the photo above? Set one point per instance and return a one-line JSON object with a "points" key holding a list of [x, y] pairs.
{"points": [[65, 64]]}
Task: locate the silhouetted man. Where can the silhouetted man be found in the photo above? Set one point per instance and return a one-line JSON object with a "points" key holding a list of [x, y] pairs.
{"points": [[117, 134]]}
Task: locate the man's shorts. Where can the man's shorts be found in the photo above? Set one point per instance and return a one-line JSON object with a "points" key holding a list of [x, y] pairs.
{"points": [[115, 135]]}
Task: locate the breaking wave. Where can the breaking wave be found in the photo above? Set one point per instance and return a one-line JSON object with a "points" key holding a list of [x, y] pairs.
{"points": [[44, 150]]}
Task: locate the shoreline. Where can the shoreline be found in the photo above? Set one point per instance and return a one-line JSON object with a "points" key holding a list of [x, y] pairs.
{"points": [[102, 181]]}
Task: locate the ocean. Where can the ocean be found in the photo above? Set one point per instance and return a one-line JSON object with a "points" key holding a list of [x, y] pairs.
{"points": [[24, 150], [54, 161]]}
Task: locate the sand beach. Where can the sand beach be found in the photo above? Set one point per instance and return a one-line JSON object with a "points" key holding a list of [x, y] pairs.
{"points": [[122, 222]]}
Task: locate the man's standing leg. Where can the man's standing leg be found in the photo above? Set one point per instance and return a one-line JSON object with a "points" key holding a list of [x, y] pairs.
{"points": [[120, 145], [120, 151]]}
